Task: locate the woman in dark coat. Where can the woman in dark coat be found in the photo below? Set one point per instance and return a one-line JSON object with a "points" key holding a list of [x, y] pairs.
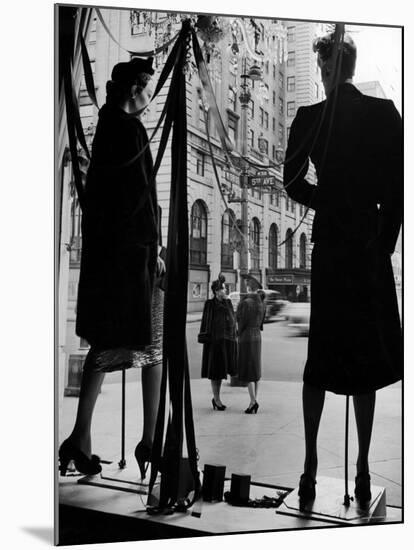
{"points": [[119, 257], [250, 316], [218, 334], [355, 345]]}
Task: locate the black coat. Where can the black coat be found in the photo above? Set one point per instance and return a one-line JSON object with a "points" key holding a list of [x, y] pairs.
{"points": [[250, 317], [355, 337], [119, 245], [218, 326]]}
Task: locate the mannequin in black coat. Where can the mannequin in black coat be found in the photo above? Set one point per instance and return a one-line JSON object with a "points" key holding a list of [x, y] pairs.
{"points": [[120, 259], [355, 143]]}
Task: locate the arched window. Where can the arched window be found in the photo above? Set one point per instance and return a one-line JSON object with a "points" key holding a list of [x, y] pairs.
{"points": [[289, 249], [302, 251], [227, 239], [198, 234], [273, 246], [255, 243]]}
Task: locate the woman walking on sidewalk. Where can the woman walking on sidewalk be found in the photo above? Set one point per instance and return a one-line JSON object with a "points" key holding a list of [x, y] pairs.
{"points": [[218, 334], [250, 317]]}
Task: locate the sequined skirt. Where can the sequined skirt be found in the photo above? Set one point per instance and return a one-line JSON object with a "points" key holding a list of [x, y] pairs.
{"points": [[115, 359]]}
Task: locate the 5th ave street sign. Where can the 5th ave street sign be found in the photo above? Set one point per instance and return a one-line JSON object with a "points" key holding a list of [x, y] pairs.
{"points": [[262, 180]]}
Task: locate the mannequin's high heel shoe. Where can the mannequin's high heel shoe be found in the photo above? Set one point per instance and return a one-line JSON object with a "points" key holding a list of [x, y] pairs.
{"points": [[68, 451], [307, 490], [363, 488], [218, 407], [252, 409], [143, 457]]}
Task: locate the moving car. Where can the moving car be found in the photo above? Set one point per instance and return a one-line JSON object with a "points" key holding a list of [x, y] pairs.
{"points": [[297, 315], [274, 305]]}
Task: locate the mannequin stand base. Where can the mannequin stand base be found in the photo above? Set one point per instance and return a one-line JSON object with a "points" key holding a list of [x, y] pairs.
{"points": [[120, 479], [329, 504]]}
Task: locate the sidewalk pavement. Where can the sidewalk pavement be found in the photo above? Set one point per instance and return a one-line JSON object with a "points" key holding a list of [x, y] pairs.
{"points": [[269, 445]]}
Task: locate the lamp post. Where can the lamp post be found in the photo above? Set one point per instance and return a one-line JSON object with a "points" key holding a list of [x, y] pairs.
{"points": [[244, 99]]}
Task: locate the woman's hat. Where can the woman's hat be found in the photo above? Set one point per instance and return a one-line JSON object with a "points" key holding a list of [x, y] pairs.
{"points": [[128, 71], [218, 284], [253, 283]]}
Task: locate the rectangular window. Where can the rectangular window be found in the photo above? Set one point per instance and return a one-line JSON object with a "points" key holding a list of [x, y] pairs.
{"points": [[273, 124], [200, 160], [281, 109], [281, 134], [232, 129], [287, 203], [251, 138], [251, 108], [277, 198], [261, 116], [274, 98], [266, 120], [273, 153], [232, 99], [274, 71], [281, 81], [137, 23], [291, 108], [267, 67], [290, 34], [291, 84], [291, 59], [265, 145], [201, 118]]}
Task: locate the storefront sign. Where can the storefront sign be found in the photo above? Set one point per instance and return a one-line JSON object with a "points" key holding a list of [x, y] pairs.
{"points": [[288, 279], [280, 279]]}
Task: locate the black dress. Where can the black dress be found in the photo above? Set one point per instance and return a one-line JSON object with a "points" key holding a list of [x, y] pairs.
{"points": [[355, 343], [119, 245], [250, 316], [220, 353]]}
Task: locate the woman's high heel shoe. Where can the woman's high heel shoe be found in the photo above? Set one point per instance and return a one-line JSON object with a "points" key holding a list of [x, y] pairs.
{"points": [[218, 407], [85, 465], [307, 490], [252, 409], [143, 458], [363, 488]]}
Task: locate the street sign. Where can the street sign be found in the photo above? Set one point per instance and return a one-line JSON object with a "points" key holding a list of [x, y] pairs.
{"points": [[264, 182]]}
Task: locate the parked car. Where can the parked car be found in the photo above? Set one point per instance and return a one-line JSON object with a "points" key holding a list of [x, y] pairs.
{"points": [[274, 305], [297, 315]]}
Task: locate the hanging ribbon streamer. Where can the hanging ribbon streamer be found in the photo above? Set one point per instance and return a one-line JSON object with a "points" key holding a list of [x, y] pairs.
{"points": [[175, 360], [149, 53], [67, 23], [211, 98]]}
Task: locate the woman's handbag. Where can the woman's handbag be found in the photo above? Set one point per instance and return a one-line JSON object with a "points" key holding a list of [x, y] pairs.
{"points": [[204, 338]]}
